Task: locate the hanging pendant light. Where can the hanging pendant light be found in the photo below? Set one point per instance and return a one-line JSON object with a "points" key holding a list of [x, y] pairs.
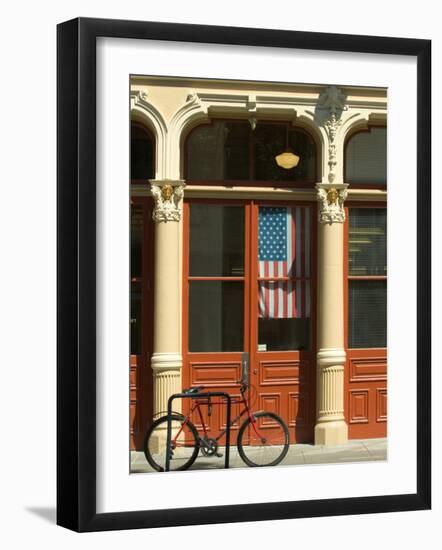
{"points": [[287, 159]]}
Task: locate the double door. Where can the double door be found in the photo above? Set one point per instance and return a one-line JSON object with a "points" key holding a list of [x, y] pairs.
{"points": [[249, 288]]}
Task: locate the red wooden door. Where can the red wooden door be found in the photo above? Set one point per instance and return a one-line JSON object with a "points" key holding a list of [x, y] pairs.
{"points": [[221, 314], [282, 322], [216, 304]]}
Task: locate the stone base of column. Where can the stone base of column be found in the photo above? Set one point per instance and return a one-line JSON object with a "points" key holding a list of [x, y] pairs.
{"points": [[331, 428], [331, 433], [166, 369]]}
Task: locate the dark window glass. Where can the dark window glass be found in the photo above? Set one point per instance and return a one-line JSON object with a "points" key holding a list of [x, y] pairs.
{"points": [[216, 316], [205, 152], [136, 241], [216, 240], [272, 139], [141, 154], [231, 150], [219, 151], [135, 318], [236, 151], [368, 314], [366, 157], [367, 251], [283, 334]]}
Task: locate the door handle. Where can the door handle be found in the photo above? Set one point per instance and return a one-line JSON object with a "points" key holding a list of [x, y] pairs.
{"points": [[245, 366]]}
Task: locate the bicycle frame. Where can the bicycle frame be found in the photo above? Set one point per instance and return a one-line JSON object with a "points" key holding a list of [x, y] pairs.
{"points": [[196, 406]]}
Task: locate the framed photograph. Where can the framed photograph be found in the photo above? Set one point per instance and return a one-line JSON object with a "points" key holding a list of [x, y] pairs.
{"points": [[225, 237]]}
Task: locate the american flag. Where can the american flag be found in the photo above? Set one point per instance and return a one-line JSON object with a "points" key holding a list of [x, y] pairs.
{"points": [[284, 252]]}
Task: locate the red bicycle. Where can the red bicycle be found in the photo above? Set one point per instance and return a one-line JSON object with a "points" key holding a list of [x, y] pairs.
{"points": [[263, 438]]}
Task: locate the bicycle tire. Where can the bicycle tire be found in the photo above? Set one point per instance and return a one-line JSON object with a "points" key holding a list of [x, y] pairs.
{"points": [[266, 451], [155, 448]]}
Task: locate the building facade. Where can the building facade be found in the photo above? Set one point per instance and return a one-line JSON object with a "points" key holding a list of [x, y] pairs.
{"points": [[258, 227]]}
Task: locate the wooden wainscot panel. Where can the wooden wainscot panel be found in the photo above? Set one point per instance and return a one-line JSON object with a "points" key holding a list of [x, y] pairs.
{"points": [[282, 373], [270, 402], [358, 406], [215, 374], [368, 369], [381, 405], [298, 409]]}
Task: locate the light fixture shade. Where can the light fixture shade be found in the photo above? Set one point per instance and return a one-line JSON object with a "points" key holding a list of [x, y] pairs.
{"points": [[287, 160]]}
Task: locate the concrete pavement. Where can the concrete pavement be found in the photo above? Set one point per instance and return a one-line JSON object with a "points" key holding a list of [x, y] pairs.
{"points": [[355, 450]]}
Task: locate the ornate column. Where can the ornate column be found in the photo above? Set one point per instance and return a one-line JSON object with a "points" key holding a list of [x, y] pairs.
{"points": [[331, 428], [166, 360]]}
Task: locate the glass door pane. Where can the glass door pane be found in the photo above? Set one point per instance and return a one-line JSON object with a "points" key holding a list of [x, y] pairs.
{"points": [[284, 264], [216, 277], [216, 240], [216, 316]]}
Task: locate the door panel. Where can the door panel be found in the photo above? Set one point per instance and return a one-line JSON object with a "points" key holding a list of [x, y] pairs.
{"points": [[366, 393]]}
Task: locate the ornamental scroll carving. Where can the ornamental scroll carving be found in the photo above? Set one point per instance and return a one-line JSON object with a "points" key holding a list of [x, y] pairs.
{"points": [[332, 102], [167, 196], [331, 203]]}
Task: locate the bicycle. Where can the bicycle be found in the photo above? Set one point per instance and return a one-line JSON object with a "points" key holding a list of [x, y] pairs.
{"points": [[255, 447]]}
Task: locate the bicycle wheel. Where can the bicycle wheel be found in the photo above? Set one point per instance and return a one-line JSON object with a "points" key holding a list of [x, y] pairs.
{"points": [[264, 442], [184, 445]]}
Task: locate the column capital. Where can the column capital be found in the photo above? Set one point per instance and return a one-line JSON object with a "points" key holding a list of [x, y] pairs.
{"points": [[167, 195], [331, 197]]}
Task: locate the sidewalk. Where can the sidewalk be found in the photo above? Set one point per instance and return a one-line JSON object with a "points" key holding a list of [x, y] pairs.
{"points": [[356, 450]]}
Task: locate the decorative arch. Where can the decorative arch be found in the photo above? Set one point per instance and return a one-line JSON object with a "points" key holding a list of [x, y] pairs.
{"points": [[306, 119], [144, 112], [200, 107], [189, 115]]}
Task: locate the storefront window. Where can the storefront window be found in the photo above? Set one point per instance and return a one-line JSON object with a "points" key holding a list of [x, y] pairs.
{"points": [[367, 291]]}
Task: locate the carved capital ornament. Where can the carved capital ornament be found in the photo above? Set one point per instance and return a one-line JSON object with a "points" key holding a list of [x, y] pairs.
{"points": [[167, 196], [331, 203]]}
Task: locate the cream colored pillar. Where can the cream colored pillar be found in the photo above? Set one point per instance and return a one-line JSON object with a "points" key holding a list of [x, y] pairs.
{"points": [[167, 359], [331, 428]]}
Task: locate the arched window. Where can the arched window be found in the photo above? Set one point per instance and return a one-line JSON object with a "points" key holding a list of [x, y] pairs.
{"points": [[142, 153], [231, 150], [366, 157]]}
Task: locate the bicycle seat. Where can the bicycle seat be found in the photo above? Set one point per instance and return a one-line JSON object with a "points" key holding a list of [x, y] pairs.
{"points": [[195, 389]]}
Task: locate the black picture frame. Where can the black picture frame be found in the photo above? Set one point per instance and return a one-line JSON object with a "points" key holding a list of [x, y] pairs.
{"points": [[76, 274]]}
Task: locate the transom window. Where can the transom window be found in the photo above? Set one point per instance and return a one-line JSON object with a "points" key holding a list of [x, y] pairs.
{"points": [[231, 150]]}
